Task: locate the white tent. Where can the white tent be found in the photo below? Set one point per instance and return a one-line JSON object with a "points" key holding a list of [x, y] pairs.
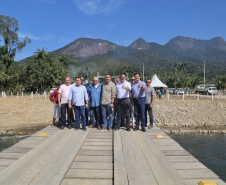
{"points": [[155, 82]]}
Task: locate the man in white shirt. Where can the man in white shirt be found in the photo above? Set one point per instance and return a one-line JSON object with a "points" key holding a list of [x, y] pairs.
{"points": [[63, 94], [122, 91]]}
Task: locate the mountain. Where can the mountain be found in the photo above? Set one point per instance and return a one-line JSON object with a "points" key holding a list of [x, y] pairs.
{"points": [[214, 49], [140, 44], [85, 47]]}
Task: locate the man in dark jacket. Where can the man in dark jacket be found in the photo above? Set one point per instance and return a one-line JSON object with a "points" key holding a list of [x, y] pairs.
{"points": [[54, 98]]}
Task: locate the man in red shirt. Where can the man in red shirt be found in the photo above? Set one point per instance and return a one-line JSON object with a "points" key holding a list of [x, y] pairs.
{"points": [[54, 98]]}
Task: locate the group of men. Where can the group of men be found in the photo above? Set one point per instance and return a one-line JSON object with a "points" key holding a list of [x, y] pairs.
{"points": [[126, 98]]}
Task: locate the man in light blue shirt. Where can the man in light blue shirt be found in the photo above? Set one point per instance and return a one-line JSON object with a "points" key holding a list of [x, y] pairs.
{"points": [[94, 91], [77, 95], [138, 98]]}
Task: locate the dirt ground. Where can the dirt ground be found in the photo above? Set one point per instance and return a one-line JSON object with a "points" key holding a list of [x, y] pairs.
{"points": [[26, 116]]}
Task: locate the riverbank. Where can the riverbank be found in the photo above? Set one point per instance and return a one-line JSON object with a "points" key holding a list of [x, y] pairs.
{"points": [[25, 116], [191, 115]]}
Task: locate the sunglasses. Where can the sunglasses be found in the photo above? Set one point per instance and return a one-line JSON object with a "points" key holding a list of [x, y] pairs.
{"points": [[148, 82]]}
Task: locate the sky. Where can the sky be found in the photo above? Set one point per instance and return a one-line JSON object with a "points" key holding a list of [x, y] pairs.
{"points": [[52, 24]]}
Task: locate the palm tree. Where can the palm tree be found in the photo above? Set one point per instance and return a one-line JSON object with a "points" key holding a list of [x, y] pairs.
{"points": [[41, 52]]}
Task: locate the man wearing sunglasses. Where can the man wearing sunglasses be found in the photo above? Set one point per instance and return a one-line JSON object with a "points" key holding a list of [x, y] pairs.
{"points": [[149, 100]]}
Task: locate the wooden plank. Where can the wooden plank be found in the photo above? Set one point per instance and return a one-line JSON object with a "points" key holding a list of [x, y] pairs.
{"points": [[165, 141], [133, 173], [97, 148], [68, 181], [93, 174], [94, 158], [95, 152], [100, 137], [26, 145], [6, 162], [162, 144], [10, 155], [2, 168], [175, 153], [170, 148], [16, 150], [38, 137], [58, 166], [182, 159], [92, 165], [188, 165], [99, 140], [97, 143], [31, 141], [101, 134], [198, 174], [120, 173]]}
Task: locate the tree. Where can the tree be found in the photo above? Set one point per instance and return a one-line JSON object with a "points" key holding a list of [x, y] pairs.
{"points": [[44, 69], [8, 32], [11, 45]]}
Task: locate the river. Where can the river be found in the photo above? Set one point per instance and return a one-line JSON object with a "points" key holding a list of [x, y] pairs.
{"points": [[7, 141], [208, 149]]}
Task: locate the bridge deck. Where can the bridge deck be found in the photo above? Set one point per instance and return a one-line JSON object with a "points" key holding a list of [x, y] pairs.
{"points": [[100, 157]]}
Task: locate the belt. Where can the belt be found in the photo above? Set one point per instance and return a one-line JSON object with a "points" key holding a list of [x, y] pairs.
{"points": [[139, 98], [122, 98]]}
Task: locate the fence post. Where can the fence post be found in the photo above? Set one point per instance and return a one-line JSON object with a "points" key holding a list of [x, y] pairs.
{"points": [[32, 95], [198, 96], [212, 96]]}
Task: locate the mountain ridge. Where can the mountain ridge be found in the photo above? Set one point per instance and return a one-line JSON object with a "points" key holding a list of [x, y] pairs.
{"points": [[99, 54]]}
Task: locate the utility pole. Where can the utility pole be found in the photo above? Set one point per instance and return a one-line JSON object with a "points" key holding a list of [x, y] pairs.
{"points": [[204, 69], [143, 71]]}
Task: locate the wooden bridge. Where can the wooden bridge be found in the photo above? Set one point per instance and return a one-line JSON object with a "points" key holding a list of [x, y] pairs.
{"points": [[100, 157]]}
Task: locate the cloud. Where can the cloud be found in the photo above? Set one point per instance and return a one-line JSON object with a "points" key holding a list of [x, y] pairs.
{"points": [[48, 2], [32, 37], [93, 7]]}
